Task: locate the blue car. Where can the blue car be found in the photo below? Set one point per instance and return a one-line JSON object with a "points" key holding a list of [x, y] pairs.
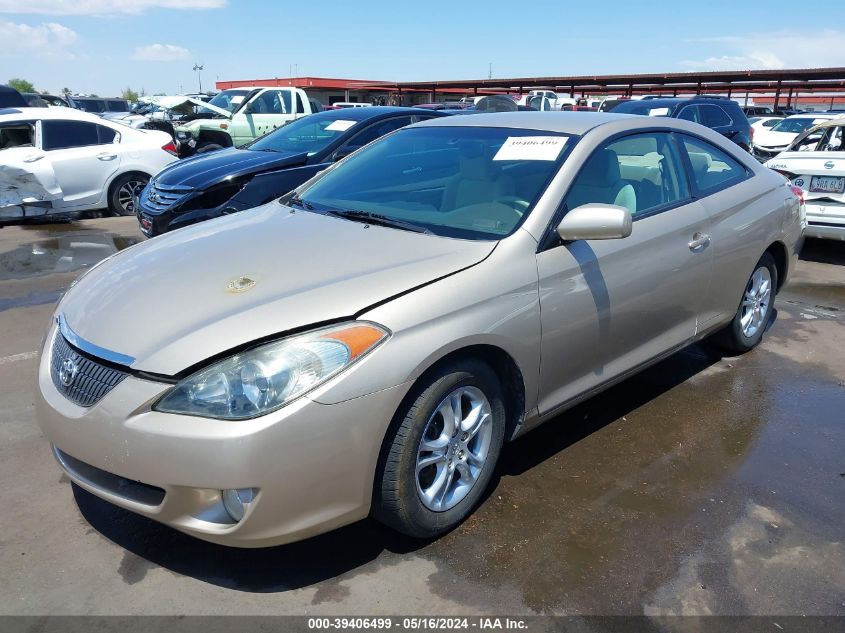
{"points": [[229, 180]]}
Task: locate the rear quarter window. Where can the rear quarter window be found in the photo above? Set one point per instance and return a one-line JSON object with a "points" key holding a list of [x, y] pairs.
{"points": [[712, 169]]}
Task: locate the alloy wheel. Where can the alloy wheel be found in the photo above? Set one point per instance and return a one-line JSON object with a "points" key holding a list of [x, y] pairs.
{"points": [[126, 195], [755, 303], [453, 448]]}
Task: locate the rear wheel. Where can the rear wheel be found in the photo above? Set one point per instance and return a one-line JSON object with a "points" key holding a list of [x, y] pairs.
{"points": [[755, 309], [442, 451], [123, 191]]}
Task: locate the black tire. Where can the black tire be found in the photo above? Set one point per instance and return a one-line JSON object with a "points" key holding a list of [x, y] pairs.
{"points": [[733, 338], [119, 188], [208, 147], [397, 502]]}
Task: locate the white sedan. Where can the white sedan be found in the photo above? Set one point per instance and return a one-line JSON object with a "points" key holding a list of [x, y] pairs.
{"points": [[815, 162], [769, 143], [62, 161]]}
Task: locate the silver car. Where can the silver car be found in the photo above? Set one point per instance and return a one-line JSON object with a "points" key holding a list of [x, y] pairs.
{"points": [[365, 345]]}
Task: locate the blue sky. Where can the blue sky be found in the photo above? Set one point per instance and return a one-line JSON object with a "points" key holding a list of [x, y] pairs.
{"points": [[102, 46]]}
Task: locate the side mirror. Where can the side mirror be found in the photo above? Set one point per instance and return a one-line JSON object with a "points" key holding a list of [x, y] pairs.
{"points": [[343, 152], [595, 221]]}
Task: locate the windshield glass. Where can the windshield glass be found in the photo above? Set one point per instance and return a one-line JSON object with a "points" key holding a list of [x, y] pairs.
{"points": [[793, 126], [228, 100], [308, 134], [467, 182]]}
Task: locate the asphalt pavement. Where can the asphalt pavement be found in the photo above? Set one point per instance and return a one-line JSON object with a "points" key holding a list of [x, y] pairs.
{"points": [[704, 485]]}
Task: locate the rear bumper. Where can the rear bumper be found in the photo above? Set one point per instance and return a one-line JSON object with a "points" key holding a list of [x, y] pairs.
{"points": [[825, 221]]}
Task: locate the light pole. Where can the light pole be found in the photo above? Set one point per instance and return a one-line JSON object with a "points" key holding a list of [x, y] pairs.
{"points": [[198, 68]]}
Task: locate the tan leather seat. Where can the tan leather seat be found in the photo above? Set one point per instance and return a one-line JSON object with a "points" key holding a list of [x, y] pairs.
{"points": [[600, 181], [479, 180]]}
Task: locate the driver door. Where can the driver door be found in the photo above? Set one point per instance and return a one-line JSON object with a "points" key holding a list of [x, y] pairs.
{"points": [[609, 306], [266, 112]]}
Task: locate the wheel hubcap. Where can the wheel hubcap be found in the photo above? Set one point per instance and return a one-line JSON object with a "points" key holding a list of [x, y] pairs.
{"points": [[755, 304], [125, 195], [453, 448]]}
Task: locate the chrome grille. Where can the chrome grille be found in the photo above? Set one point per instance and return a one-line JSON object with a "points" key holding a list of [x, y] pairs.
{"points": [[81, 380], [162, 197]]}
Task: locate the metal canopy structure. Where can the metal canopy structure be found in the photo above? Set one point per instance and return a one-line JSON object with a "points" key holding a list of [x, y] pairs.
{"points": [[790, 81]]}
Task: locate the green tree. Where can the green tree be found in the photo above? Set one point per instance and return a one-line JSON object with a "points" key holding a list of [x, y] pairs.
{"points": [[21, 85], [129, 94]]}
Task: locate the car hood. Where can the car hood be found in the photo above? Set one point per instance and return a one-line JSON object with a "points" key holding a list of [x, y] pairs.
{"points": [[204, 170], [182, 298], [768, 138]]}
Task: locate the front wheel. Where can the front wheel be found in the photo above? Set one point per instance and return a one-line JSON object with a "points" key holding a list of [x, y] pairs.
{"points": [[755, 309], [442, 452]]}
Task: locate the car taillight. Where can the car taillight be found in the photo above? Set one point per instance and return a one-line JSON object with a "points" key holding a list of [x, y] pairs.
{"points": [[799, 193], [752, 132], [170, 148]]}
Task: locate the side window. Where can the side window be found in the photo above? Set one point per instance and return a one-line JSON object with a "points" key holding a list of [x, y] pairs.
{"points": [[376, 130], [641, 172], [712, 168], [105, 135], [16, 135], [300, 106], [690, 113], [65, 134], [714, 116]]}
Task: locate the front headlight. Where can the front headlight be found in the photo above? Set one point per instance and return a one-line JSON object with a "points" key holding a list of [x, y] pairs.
{"points": [[265, 378]]}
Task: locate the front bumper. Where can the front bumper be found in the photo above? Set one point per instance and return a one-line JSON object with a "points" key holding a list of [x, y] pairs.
{"points": [[312, 464]]}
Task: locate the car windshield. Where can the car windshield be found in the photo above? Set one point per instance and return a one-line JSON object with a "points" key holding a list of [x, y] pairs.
{"points": [[228, 100], [466, 182], [793, 126], [308, 134]]}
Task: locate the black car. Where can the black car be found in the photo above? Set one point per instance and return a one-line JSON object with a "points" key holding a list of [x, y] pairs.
{"points": [[37, 100], [228, 180], [721, 114], [11, 98]]}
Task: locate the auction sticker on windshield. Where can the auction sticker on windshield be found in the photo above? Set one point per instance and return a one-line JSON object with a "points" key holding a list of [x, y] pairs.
{"points": [[531, 148], [340, 125]]}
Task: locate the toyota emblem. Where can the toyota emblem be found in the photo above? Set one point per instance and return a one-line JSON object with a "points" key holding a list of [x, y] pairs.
{"points": [[67, 372]]}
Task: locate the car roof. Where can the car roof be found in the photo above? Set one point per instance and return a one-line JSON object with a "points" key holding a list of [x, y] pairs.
{"points": [[577, 122], [813, 115], [370, 112], [839, 121], [12, 114]]}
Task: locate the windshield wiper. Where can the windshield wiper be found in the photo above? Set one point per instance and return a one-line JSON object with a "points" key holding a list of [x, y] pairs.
{"points": [[375, 218], [299, 202]]}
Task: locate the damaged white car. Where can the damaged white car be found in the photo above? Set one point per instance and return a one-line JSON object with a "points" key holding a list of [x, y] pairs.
{"points": [[59, 161], [815, 162]]}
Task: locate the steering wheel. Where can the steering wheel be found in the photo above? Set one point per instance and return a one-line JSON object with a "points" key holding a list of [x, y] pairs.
{"points": [[516, 204]]}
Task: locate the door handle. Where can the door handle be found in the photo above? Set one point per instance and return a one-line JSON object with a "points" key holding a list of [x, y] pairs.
{"points": [[106, 156], [33, 158], [699, 241]]}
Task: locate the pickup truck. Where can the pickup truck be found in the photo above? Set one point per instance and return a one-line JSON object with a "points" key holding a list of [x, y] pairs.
{"points": [[239, 115]]}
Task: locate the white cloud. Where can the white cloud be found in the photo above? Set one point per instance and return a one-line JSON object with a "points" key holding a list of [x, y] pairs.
{"points": [[768, 51], [47, 39], [161, 53], [102, 7]]}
